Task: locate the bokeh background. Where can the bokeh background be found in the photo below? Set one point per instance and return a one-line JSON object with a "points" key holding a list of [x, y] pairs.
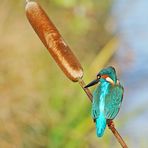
{"points": [[39, 106]]}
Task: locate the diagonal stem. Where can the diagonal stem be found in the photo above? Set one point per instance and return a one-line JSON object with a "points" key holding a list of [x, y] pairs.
{"points": [[87, 91], [111, 126], [109, 122]]}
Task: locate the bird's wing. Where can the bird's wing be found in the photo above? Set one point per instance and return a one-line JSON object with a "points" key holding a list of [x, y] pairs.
{"points": [[113, 101], [96, 102]]}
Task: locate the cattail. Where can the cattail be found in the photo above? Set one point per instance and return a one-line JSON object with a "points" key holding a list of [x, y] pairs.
{"points": [[53, 41]]}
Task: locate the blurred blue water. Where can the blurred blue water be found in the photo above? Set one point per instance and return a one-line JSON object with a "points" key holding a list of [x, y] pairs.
{"points": [[132, 27]]}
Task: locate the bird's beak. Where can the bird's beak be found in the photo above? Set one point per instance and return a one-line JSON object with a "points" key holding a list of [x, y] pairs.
{"points": [[92, 83]]}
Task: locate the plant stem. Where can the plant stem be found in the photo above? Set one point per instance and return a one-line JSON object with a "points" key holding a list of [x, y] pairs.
{"points": [[109, 122], [111, 126], [87, 91]]}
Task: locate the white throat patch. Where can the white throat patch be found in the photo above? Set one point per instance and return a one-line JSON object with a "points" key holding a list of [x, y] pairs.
{"points": [[108, 79]]}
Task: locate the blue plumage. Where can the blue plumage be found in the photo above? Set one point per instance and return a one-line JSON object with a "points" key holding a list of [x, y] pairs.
{"points": [[107, 98], [100, 125], [98, 107]]}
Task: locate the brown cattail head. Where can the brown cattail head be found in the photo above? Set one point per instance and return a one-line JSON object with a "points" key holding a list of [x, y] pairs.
{"points": [[53, 41]]}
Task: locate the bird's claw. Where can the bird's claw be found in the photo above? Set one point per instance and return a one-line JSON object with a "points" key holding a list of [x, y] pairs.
{"points": [[110, 124]]}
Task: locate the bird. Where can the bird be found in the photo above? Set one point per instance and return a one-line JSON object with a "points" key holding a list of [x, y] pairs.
{"points": [[107, 98]]}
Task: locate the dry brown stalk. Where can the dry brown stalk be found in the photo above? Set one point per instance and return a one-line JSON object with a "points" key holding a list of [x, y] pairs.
{"points": [[53, 41], [60, 51]]}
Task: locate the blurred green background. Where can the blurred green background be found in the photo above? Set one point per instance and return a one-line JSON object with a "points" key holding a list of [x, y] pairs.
{"points": [[39, 106]]}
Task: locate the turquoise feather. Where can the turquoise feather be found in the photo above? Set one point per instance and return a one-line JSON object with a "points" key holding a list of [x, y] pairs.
{"points": [[100, 125], [107, 99]]}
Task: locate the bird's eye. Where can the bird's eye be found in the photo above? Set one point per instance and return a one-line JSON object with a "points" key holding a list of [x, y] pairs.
{"points": [[98, 76]]}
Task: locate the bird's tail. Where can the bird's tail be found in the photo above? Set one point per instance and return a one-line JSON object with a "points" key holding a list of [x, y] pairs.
{"points": [[100, 125]]}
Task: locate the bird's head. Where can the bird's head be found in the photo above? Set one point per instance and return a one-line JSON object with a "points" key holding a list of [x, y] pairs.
{"points": [[105, 75]]}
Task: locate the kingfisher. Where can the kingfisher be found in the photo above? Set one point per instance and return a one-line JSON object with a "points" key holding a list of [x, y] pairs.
{"points": [[107, 98]]}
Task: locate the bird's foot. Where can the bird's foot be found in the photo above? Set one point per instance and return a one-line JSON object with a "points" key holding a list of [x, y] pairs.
{"points": [[110, 124]]}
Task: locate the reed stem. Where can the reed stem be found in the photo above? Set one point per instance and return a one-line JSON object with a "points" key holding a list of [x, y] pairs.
{"points": [[87, 91]]}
